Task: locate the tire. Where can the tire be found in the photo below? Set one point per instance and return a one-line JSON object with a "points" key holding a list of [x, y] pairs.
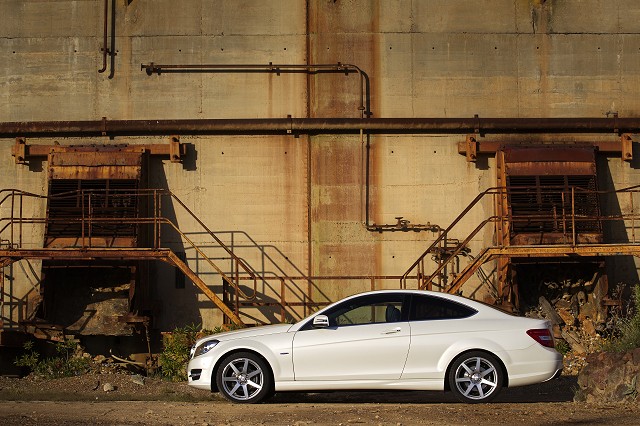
{"points": [[476, 377], [244, 378]]}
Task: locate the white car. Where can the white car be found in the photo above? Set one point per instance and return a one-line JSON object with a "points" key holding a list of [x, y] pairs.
{"points": [[390, 339]]}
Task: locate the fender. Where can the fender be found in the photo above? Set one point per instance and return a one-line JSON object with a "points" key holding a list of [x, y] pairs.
{"points": [[473, 344]]}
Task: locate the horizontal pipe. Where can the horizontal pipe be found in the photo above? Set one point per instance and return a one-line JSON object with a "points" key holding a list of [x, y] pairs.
{"points": [[299, 126]]}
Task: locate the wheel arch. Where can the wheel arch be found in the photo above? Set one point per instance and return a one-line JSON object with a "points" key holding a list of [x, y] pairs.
{"points": [[214, 370], [503, 368]]}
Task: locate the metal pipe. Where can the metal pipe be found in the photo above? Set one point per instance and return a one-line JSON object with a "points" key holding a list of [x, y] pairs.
{"points": [[365, 111], [313, 126], [104, 48]]}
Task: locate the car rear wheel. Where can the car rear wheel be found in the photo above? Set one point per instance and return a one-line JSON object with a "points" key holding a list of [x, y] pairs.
{"points": [[244, 377], [475, 377]]}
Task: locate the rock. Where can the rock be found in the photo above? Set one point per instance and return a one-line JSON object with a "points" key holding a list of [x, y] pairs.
{"points": [[549, 312], [588, 327], [108, 387], [574, 341], [566, 315], [137, 379], [610, 377]]}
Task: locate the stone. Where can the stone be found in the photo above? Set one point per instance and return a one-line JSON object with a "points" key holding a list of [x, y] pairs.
{"points": [[588, 327], [137, 379], [566, 315], [99, 359], [108, 387]]}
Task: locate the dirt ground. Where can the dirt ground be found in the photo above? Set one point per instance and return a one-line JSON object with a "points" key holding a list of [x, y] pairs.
{"points": [[132, 400]]}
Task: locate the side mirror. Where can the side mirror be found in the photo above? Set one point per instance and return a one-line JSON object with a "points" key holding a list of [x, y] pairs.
{"points": [[321, 321]]}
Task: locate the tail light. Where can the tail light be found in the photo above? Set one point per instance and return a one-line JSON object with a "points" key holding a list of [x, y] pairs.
{"points": [[542, 336]]}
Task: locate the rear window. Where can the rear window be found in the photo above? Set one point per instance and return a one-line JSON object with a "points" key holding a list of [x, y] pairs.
{"points": [[425, 308]]}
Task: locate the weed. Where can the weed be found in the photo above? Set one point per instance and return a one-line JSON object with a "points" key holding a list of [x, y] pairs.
{"points": [[627, 334], [562, 347], [177, 347], [65, 364]]}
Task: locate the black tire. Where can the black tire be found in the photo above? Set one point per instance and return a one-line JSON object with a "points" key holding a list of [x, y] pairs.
{"points": [[244, 378], [476, 377]]}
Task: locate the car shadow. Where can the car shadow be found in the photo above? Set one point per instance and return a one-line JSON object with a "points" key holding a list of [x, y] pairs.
{"points": [[561, 389]]}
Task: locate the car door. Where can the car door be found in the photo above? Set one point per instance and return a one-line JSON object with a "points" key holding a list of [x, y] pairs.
{"points": [[367, 339], [436, 324]]}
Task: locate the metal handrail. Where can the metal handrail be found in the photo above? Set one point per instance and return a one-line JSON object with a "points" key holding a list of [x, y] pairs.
{"points": [[570, 219], [87, 221]]}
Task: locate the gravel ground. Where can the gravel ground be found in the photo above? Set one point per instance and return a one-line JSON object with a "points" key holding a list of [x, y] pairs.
{"points": [[83, 400]]}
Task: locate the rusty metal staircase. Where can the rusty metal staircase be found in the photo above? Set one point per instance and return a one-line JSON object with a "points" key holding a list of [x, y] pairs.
{"points": [[569, 222], [22, 240]]}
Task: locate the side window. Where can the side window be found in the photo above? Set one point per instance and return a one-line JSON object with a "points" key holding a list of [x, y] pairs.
{"points": [[434, 308], [369, 309]]}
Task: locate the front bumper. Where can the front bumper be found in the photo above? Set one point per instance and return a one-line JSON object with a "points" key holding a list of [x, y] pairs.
{"points": [[199, 372]]}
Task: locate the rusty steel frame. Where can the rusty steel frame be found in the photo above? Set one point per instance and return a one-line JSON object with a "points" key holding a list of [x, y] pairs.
{"points": [[313, 126], [474, 145], [14, 223], [572, 249], [174, 150]]}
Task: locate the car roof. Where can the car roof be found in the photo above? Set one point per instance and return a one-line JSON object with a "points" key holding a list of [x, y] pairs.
{"points": [[478, 306]]}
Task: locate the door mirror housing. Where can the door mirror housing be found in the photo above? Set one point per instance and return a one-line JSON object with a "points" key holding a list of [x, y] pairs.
{"points": [[320, 321]]}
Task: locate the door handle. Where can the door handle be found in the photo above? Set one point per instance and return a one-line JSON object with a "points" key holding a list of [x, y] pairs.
{"points": [[392, 331]]}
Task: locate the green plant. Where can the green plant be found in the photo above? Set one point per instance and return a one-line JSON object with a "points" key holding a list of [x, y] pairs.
{"points": [[627, 335], [177, 346], [562, 347], [65, 364]]}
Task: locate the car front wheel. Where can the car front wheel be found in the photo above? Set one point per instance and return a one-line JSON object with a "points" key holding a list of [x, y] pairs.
{"points": [[475, 377], [244, 377]]}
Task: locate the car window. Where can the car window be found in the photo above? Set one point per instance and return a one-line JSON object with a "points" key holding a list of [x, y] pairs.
{"points": [[368, 309], [435, 308]]}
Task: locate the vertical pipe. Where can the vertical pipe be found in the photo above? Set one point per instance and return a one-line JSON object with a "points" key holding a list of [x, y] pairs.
{"points": [[564, 217], [2, 297], [21, 216], [308, 297], [283, 312], [573, 215], [633, 226], [104, 49], [160, 216], [90, 220], [225, 300], [13, 196], [82, 219]]}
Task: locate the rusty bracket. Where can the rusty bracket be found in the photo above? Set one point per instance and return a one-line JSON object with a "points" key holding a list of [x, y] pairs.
{"points": [[175, 150], [472, 148], [175, 154], [626, 147], [19, 151]]}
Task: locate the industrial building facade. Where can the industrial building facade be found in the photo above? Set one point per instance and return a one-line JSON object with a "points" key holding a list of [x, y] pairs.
{"points": [[207, 161]]}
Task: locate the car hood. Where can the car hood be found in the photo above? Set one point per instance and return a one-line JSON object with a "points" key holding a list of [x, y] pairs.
{"points": [[248, 332]]}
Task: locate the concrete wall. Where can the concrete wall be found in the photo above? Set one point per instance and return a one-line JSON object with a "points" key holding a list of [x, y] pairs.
{"points": [[296, 206]]}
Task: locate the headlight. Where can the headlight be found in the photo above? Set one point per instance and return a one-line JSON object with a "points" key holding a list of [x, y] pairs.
{"points": [[204, 347]]}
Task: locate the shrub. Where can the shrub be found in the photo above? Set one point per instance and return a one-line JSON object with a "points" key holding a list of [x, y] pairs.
{"points": [[65, 364], [627, 336], [177, 346]]}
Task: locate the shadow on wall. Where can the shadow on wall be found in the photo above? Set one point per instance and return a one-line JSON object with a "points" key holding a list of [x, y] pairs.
{"points": [[19, 305], [278, 278], [619, 268]]}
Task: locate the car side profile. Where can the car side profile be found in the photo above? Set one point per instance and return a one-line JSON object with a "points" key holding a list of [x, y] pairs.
{"points": [[388, 339]]}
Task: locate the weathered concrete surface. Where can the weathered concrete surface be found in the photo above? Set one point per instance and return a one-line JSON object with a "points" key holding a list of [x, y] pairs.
{"points": [[296, 206]]}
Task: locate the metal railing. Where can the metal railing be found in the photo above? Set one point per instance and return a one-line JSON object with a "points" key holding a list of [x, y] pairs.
{"points": [[94, 227], [545, 216]]}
